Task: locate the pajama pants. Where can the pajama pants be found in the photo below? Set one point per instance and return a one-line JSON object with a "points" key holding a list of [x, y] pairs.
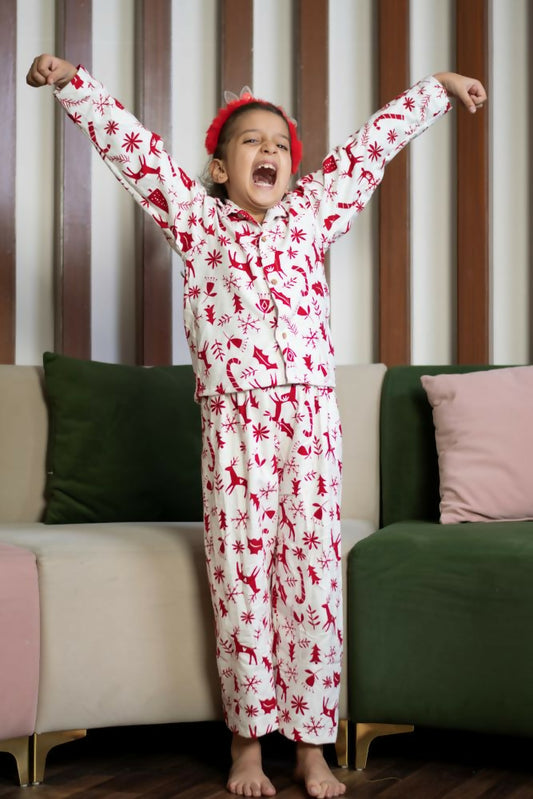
{"points": [[271, 472]]}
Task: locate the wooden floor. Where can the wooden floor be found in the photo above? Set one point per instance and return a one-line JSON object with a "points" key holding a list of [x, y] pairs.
{"points": [[190, 762]]}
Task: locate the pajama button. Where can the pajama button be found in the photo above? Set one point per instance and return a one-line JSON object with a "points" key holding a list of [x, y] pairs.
{"points": [[283, 335], [274, 282]]}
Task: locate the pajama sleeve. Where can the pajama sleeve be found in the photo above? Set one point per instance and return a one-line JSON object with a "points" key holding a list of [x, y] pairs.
{"points": [[351, 173], [135, 155]]}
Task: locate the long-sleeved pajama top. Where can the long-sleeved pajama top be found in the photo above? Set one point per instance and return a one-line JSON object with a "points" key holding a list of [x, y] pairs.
{"points": [[256, 302]]}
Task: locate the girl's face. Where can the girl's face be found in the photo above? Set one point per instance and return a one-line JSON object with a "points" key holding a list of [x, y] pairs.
{"points": [[256, 167]]}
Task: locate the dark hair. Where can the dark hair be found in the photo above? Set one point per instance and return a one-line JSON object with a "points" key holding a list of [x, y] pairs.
{"points": [[219, 189]]}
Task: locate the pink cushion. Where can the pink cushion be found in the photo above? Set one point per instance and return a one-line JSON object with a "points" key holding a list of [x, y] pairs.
{"points": [[484, 437], [19, 637]]}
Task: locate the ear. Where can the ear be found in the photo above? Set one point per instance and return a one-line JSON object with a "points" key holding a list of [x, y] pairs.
{"points": [[217, 170]]}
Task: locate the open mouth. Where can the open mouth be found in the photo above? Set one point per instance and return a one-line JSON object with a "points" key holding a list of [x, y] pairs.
{"points": [[264, 175]]}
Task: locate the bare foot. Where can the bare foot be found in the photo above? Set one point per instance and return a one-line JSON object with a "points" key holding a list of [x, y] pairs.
{"points": [[246, 776], [312, 769]]}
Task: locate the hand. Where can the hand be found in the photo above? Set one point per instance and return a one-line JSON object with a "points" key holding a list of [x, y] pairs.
{"points": [[48, 70], [468, 90]]}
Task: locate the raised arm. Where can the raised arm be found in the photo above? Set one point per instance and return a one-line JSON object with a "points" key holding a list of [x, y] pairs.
{"points": [[135, 155], [350, 174]]}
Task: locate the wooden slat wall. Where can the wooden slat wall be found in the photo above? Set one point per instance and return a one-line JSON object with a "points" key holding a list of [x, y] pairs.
{"points": [[73, 192], [8, 60], [154, 258], [73, 220], [473, 324], [394, 344], [236, 31], [311, 61]]}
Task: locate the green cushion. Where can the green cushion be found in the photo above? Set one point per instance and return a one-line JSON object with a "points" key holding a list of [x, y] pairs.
{"points": [[409, 464], [439, 630], [124, 443]]}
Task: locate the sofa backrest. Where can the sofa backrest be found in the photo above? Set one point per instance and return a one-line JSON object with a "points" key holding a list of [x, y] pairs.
{"points": [[358, 396], [23, 439], [24, 435], [409, 463]]}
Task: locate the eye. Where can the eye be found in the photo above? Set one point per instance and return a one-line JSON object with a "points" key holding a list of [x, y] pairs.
{"points": [[251, 140], [283, 147]]}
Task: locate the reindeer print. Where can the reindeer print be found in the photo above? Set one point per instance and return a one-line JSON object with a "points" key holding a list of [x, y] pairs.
{"points": [[276, 579]]}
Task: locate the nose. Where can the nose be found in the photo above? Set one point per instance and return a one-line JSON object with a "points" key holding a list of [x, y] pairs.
{"points": [[269, 146]]}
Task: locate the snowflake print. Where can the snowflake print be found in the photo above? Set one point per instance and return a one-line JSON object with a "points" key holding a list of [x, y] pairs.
{"points": [[291, 673], [238, 546], [229, 424], [75, 118], [324, 561], [311, 338], [260, 432], [392, 136], [232, 593], [219, 574], [247, 617], [251, 710], [240, 520], [285, 716], [299, 553], [264, 493], [299, 705], [252, 683], [311, 540], [330, 192], [214, 258], [409, 103], [231, 282], [217, 405], [314, 726], [288, 627], [375, 151], [298, 235], [131, 142], [111, 127], [102, 104], [291, 253]]}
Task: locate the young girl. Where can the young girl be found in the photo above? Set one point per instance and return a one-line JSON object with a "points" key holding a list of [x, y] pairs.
{"points": [[256, 313]]}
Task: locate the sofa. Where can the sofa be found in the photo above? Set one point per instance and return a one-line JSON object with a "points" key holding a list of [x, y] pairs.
{"points": [[100, 513], [439, 625]]}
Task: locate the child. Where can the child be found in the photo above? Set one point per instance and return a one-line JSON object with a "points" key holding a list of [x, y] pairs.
{"points": [[256, 316]]}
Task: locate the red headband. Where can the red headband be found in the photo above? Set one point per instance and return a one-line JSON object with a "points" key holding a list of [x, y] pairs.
{"points": [[246, 97]]}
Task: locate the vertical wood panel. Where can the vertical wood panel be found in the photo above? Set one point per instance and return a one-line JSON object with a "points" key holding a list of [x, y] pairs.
{"points": [[311, 34], [394, 326], [236, 23], [472, 190], [73, 192], [154, 257], [8, 60]]}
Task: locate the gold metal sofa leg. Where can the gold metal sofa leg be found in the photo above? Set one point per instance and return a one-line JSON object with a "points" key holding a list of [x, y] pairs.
{"points": [[43, 742], [20, 749], [365, 734], [341, 744]]}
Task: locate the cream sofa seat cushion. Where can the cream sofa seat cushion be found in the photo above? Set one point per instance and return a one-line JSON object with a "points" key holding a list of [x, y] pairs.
{"points": [[127, 634]]}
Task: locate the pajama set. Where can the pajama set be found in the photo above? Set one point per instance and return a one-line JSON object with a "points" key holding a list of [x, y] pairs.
{"points": [[256, 313]]}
